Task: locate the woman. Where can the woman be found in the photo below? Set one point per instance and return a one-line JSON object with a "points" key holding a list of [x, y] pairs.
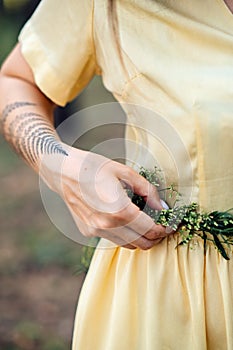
{"points": [[170, 57]]}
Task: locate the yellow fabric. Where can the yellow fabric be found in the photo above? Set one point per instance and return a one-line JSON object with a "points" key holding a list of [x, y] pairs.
{"points": [[57, 42], [176, 86], [165, 298]]}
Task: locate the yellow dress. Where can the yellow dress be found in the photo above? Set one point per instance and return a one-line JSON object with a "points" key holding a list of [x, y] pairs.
{"points": [[176, 87]]}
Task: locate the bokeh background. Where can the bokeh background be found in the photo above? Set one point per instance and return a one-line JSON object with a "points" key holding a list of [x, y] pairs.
{"points": [[39, 279]]}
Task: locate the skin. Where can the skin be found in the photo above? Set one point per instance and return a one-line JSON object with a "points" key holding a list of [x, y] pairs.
{"points": [[229, 3], [99, 206]]}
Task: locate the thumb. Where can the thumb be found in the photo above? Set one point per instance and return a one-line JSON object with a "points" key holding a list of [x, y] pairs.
{"points": [[140, 186]]}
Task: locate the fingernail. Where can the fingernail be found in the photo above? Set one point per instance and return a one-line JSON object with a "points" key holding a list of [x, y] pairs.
{"points": [[168, 230], [164, 205]]}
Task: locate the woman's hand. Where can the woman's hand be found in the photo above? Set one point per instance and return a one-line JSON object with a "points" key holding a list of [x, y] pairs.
{"points": [[92, 187]]}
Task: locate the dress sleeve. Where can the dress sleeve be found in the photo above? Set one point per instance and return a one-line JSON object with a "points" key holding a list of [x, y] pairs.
{"points": [[57, 43]]}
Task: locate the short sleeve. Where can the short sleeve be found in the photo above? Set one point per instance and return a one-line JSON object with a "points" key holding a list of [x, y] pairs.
{"points": [[57, 43]]}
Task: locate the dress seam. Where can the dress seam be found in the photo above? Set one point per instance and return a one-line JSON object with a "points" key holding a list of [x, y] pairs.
{"points": [[97, 67], [124, 89], [200, 162]]}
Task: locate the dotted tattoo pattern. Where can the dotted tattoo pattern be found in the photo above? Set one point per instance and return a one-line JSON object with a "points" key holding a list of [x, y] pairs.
{"points": [[10, 108], [29, 133]]}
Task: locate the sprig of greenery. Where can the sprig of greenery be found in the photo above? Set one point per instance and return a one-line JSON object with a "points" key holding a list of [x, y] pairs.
{"points": [[187, 220], [86, 255], [215, 226]]}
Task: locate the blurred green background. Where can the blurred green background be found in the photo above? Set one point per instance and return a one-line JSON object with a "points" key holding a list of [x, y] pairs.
{"points": [[39, 285]]}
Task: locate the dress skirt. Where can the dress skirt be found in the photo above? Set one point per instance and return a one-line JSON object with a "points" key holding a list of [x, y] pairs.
{"points": [[167, 298]]}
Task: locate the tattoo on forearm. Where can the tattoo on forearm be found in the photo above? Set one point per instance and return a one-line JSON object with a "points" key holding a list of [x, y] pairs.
{"points": [[30, 133], [10, 108]]}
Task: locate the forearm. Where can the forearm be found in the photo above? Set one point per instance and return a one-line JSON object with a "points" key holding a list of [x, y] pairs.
{"points": [[27, 120]]}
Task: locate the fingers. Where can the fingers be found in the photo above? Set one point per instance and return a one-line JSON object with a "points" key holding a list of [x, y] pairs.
{"points": [[140, 186], [135, 239], [146, 227], [89, 231], [128, 246], [121, 236], [131, 228], [116, 240]]}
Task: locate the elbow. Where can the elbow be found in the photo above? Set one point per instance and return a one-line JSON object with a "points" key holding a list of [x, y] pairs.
{"points": [[15, 66], [3, 70]]}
